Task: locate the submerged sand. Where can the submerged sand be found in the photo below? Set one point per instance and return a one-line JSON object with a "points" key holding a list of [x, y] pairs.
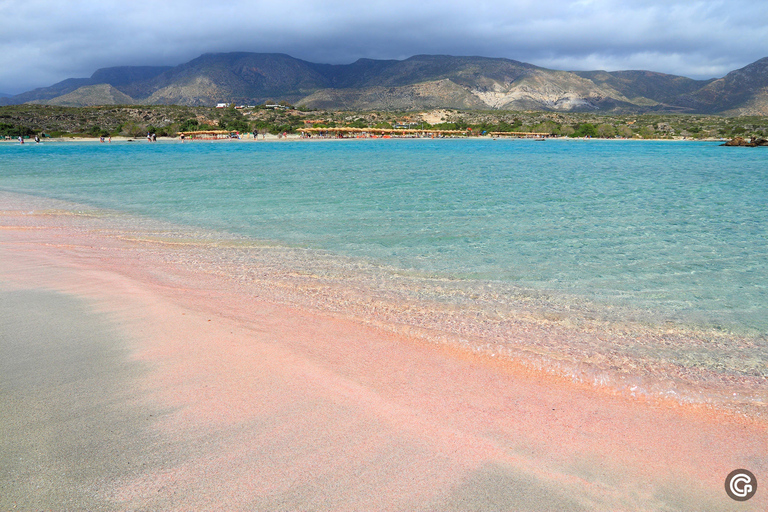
{"points": [[132, 383]]}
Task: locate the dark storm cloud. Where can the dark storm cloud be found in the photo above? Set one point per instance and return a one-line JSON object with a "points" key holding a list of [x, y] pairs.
{"points": [[43, 42]]}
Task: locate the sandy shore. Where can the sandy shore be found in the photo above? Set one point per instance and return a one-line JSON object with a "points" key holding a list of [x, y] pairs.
{"points": [[129, 383], [295, 136], [246, 138]]}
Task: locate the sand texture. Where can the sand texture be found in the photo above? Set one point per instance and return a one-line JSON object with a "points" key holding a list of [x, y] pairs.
{"points": [[128, 383]]}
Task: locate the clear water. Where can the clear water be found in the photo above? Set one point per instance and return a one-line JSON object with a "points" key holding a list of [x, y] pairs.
{"points": [[659, 231], [673, 227]]}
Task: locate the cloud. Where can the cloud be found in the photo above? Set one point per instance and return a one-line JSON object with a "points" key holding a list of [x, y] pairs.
{"points": [[47, 41]]}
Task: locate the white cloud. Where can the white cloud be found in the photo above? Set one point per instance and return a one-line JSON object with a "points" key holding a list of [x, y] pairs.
{"points": [[44, 41]]}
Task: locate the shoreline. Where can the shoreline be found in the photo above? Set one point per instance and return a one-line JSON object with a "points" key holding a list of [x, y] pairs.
{"points": [[297, 137], [264, 405], [615, 349]]}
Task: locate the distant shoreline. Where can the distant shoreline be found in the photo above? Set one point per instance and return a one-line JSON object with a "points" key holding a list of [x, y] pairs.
{"points": [[296, 137]]}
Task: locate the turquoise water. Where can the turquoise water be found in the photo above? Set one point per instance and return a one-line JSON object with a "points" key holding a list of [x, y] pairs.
{"points": [[678, 231], [640, 266]]}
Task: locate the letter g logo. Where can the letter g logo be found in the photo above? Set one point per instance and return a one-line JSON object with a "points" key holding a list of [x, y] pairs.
{"points": [[740, 484]]}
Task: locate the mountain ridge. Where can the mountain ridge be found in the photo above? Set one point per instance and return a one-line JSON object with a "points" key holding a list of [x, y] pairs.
{"points": [[420, 81]]}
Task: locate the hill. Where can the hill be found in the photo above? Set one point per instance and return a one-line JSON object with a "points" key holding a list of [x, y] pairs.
{"points": [[123, 77], [419, 82], [641, 87], [90, 95], [740, 92]]}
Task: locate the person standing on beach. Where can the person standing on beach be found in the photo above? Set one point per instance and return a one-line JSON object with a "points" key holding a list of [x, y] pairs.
{"points": [[37, 139], [21, 139]]}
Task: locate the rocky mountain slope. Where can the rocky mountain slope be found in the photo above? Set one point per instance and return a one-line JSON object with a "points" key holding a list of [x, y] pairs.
{"points": [[420, 82], [89, 96], [740, 92], [123, 77]]}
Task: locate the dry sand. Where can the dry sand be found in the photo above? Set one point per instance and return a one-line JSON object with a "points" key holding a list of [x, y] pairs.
{"points": [[129, 384]]}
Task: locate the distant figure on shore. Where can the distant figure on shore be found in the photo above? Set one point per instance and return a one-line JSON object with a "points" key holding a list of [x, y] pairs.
{"points": [[182, 137], [110, 138], [101, 139], [37, 139], [21, 139], [149, 137]]}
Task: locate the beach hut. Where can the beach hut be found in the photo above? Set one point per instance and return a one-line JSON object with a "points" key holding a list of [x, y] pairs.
{"points": [[209, 134]]}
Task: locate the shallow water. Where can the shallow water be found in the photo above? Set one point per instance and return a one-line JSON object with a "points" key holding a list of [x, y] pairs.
{"points": [[638, 265]]}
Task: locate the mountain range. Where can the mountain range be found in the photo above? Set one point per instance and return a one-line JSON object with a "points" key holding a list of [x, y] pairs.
{"points": [[419, 82]]}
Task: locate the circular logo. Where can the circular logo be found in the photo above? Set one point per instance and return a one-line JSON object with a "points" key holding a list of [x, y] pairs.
{"points": [[740, 484]]}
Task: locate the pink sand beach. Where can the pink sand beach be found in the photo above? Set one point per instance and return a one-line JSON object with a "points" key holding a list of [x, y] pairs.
{"points": [[135, 383]]}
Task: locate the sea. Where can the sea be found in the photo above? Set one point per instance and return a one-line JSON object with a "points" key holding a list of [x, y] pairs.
{"points": [[640, 267]]}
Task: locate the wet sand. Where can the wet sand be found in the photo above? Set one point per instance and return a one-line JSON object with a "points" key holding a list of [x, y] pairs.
{"points": [[131, 383]]}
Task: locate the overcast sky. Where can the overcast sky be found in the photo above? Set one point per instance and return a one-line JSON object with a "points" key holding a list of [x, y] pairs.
{"points": [[45, 41]]}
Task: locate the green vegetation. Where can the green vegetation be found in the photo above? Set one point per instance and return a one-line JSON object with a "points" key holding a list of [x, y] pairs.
{"points": [[136, 121], [234, 121], [585, 130], [13, 131], [193, 125]]}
